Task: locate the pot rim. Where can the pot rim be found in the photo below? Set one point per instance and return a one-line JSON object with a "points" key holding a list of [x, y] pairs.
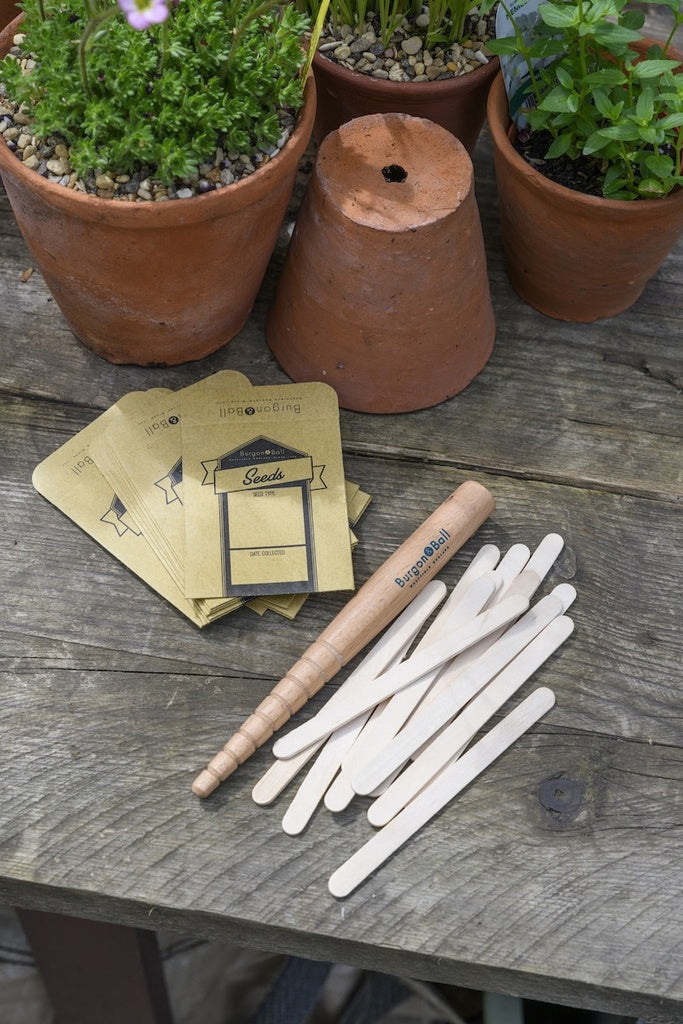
{"points": [[195, 208], [426, 89], [500, 124]]}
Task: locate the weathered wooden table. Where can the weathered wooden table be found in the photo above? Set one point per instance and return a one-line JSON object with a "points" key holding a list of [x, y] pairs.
{"points": [[559, 874]]}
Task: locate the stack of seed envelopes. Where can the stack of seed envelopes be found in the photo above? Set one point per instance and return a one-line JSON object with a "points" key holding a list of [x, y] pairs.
{"points": [[218, 495]]}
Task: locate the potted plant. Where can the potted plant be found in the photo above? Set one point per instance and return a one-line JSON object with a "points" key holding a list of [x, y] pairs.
{"points": [[590, 188], [149, 153], [428, 60]]}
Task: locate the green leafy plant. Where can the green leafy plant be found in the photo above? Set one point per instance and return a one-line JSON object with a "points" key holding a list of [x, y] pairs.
{"points": [[597, 96], [446, 17], [140, 82]]}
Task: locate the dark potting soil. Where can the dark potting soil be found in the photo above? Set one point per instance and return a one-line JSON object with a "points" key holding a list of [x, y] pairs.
{"points": [[582, 174]]}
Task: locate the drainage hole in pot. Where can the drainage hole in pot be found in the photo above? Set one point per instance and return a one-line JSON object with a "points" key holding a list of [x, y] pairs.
{"points": [[394, 172]]}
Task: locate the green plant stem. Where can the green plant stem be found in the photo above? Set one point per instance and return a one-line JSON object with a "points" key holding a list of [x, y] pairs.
{"points": [[164, 38], [96, 21], [90, 9], [678, 21], [524, 51], [257, 12], [315, 38]]}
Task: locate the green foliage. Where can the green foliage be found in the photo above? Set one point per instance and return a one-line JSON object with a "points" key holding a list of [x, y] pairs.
{"points": [[214, 73], [446, 17], [599, 97]]}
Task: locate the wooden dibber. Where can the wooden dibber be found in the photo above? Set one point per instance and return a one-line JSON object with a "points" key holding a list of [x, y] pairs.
{"points": [[373, 607]]}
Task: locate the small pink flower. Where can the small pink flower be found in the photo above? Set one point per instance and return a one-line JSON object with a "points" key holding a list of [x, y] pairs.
{"points": [[143, 13]]}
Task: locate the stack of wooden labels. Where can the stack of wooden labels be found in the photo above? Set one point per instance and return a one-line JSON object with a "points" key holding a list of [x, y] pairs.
{"points": [[217, 495], [401, 726]]}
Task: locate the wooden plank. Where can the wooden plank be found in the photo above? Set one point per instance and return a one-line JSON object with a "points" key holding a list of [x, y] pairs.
{"points": [[64, 586], [564, 836]]}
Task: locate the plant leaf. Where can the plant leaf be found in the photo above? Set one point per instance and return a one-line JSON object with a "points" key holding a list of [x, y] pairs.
{"points": [[603, 103], [564, 78], [560, 146], [671, 121], [605, 76], [559, 100], [622, 132], [610, 34], [645, 106], [660, 165], [652, 187], [653, 68], [566, 16], [503, 45], [594, 143]]}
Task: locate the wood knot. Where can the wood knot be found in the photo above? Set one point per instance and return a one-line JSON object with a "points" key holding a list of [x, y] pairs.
{"points": [[561, 797]]}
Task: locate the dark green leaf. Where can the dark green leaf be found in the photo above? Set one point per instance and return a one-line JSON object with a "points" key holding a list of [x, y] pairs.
{"points": [[653, 68], [567, 16], [559, 147], [658, 165], [594, 143], [610, 34]]}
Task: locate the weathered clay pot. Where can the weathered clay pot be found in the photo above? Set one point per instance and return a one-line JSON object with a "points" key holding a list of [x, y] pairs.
{"points": [[573, 256], [8, 12], [384, 292], [459, 104], [155, 283]]}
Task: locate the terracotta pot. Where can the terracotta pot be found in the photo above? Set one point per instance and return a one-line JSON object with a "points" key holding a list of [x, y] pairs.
{"points": [[573, 256], [8, 12], [458, 104], [384, 292], [155, 283]]}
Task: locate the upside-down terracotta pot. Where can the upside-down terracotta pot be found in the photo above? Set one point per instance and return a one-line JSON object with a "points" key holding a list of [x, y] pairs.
{"points": [[384, 292], [458, 104], [155, 283], [573, 256]]}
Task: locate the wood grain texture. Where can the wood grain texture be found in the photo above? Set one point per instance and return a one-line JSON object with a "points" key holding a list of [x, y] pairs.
{"points": [[556, 875]]}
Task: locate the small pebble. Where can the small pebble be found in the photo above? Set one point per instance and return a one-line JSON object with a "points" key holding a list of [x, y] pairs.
{"points": [[57, 166], [413, 44]]}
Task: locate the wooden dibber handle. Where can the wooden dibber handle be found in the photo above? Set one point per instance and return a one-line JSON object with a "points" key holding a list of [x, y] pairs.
{"points": [[373, 607]]}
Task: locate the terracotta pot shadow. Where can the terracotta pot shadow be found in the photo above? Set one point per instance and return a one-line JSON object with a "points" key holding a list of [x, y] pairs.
{"points": [[155, 283], [457, 104], [384, 291]]}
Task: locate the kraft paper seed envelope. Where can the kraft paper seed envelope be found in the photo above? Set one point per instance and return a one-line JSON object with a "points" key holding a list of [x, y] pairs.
{"points": [[70, 480], [265, 497], [140, 453]]}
